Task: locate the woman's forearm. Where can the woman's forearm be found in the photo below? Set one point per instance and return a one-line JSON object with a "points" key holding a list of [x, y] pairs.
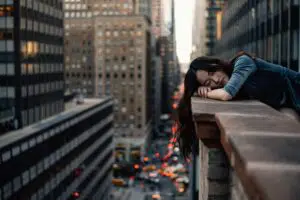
{"points": [[219, 94]]}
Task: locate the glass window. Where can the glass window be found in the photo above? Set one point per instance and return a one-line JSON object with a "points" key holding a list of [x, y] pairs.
{"points": [[25, 177], [7, 190], [15, 150], [295, 44], [17, 183], [6, 156]]}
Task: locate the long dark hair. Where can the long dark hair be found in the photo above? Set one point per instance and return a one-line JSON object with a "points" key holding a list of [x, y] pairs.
{"points": [[186, 132]]}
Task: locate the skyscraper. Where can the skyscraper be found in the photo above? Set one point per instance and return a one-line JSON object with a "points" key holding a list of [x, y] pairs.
{"points": [[199, 30], [213, 24], [268, 29], [31, 60], [157, 18], [112, 57]]}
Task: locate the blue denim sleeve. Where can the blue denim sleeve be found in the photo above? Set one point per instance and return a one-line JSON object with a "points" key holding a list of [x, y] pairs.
{"points": [[243, 67]]}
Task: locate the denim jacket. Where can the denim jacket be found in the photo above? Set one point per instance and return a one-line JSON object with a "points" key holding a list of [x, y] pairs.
{"points": [[270, 83]]}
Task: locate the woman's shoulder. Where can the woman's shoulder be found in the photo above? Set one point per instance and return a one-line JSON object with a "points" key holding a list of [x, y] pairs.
{"points": [[245, 62], [244, 58]]}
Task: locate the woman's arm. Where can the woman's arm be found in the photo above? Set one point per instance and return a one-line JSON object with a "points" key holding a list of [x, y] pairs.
{"points": [[243, 68], [219, 94]]}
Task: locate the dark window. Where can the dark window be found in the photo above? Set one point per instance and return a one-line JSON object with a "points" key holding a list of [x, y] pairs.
{"points": [[107, 75], [123, 75], [123, 58], [116, 75]]}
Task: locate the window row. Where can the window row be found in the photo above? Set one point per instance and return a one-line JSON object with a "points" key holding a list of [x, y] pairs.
{"points": [[30, 25], [79, 6], [32, 48], [90, 14], [6, 2], [39, 68], [41, 112], [38, 89], [42, 8], [7, 92], [7, 69]]}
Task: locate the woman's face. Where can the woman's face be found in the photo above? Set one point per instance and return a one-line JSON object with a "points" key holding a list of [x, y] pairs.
{"points": [[213, 80]]}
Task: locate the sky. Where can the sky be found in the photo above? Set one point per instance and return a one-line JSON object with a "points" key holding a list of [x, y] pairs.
{"points": [[183, 28]]}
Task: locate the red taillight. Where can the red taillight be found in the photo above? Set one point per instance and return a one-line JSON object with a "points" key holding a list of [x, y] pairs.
{"points": [[76, 194]]}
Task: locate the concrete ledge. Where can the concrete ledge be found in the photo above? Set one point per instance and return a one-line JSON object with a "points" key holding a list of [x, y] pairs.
{"points": [[259, 143]]}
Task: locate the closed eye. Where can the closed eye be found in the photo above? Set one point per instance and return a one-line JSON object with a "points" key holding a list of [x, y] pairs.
{"points": [[207, 82]]}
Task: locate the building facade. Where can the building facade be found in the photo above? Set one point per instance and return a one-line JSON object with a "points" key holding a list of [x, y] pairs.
{"points": [[65, 157], [31, 61], [123, 51], [112, 57], [213, 24], [268, 29], [81, 72], [170, 71], [199, 37], [157, 18]]}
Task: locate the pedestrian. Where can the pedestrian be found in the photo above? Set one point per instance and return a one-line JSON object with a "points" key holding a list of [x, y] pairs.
{"points": [[244, 76]]}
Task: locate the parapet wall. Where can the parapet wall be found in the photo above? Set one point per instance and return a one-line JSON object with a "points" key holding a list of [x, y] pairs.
{"points": [[247, 150]]}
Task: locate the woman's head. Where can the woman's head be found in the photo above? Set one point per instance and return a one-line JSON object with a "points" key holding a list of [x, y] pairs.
{"points": [[203, 71]]}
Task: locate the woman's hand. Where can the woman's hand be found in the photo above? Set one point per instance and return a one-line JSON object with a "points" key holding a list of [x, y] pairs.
{"points": [[203, 91]]}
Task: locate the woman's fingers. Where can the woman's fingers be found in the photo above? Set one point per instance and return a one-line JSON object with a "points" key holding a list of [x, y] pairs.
{"points": [[202, 91]]}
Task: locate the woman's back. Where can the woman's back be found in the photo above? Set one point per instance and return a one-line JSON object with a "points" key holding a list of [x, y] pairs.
{"points": [[273, 84]]}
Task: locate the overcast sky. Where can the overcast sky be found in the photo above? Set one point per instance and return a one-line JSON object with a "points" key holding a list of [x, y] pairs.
{"points": [[183, 28]]}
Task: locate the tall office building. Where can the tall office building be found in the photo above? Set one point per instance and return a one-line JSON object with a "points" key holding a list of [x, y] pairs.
{"points": [[144, 8], [68, 156], [112, 57], [31, 60], [157, 18], [199, 30], [123, 64], [213, 24], [268, 29]]}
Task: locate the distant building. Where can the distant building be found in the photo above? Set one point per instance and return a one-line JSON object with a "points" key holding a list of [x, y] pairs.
{"points": [[112, 57], [199, 38], [123, 51], [157, 17], [170, 71], [213, 24], [68, 155], [31, 61]]}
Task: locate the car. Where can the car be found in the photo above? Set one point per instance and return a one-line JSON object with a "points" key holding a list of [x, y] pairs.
{"points": [[118, 182]]}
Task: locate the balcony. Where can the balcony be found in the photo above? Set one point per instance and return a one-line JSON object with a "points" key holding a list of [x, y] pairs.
{"points": [[247, 150]]}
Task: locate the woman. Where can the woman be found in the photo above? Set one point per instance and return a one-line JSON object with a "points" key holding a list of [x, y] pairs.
{"points": [[243, 77]]}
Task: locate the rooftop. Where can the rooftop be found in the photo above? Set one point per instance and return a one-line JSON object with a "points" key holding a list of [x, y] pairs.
{"points": [[48, 122]]}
